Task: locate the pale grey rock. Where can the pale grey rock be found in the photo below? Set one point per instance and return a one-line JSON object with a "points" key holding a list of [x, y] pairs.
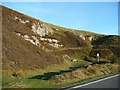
{"points": [[42, 39], [50, 40], [36, 41], [66, 56], [26, 37], [41, 30], [15, 18], [83, 37], [74, 60], [18, 34], [27, 21], [90, 38], [55, 41], [23, 22], [56, 45]]}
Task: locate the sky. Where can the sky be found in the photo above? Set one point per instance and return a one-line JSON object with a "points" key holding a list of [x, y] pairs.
{"points": [[98, 17]]}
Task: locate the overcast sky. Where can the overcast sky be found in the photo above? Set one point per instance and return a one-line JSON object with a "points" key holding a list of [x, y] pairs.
{"points": [[99, 17]]}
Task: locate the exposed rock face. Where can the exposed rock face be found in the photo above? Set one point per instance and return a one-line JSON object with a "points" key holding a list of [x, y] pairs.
{"points": [[32, 39], [74, 60], [56, 45], [20, 20], [37, 28], [55, 41], [21, 49], [41, 29], [66, 56], [52, 42], [86, 37], [90, 38], [23, 22], [18, 34], [36, 41], [82, 37]]}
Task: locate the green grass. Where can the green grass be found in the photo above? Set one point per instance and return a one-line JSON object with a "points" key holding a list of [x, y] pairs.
{"points": [[8, 79], [86, 80], [25, 81], [34, 83], [14, 82], [85, 74], [23, 77]]}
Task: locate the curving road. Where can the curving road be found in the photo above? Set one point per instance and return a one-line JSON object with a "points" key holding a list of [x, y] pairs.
{"points": [[109, 82]]}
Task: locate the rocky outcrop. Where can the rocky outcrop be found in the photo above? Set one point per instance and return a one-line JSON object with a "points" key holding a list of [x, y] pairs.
{"points": [[32, 39], [52, 42], [56, 45], [41, 29], [20, 20], [66, 56], [83, 37], [38, 28], [74, 60], [87, 37]]}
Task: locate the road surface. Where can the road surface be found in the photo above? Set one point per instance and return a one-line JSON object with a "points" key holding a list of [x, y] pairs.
{"points": [[109, 82]]}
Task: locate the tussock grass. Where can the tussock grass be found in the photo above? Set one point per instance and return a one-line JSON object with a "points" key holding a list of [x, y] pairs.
{"points": [[22, 60], [85, 73]]}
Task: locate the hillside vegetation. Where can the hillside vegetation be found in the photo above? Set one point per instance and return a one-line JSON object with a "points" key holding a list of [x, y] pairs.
{"points": [[37, 54]]}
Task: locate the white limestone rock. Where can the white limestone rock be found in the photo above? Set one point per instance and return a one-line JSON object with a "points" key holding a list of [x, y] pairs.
{"points": [[23, 22], [66, 56], [74, 60], [55, 41], [33, 40], [36, 41], [50, 40], [27, 21], [61, 45], [18, 34], [90, 38], [42, 39], [26, 37], [15, 18], [41, 29], [83, 37], [56, 45]]}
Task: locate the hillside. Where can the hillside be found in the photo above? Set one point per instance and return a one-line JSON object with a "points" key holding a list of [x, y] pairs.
{"points": [[35, 52], [27, 40], [19, 52]]}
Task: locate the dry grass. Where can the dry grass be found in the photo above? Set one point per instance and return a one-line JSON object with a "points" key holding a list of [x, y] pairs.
{"points": [[18, 53], [21, 54], [86, 73], [22, 59]]}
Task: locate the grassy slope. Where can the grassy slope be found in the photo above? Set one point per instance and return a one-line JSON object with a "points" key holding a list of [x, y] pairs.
{"points": [[31, 61], [24, 54], [32, 56]]}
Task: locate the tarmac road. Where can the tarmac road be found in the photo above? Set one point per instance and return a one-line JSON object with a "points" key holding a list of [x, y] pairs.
{"points": [[108, 82]]}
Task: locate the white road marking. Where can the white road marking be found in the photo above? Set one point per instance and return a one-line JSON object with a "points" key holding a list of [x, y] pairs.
{"points": [[94, 82]]}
